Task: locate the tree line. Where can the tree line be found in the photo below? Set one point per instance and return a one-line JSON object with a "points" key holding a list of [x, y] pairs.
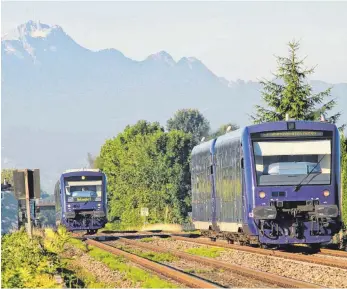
{"points": [[147, 165]]}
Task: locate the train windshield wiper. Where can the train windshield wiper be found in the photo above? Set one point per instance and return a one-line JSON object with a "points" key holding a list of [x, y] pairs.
{"points": [[298, 186]]}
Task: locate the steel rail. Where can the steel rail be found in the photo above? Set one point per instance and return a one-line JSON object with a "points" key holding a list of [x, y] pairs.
{"points": [[178, 276], [336, 253], [303, 258], [254, 274]]}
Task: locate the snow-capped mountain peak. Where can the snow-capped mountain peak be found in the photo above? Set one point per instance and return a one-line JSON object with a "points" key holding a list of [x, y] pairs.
{"points": [[162, 56], [31, 29]]}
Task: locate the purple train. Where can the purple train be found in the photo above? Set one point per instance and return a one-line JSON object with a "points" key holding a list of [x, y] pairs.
{"points": [[274, 183], [81, 200]]}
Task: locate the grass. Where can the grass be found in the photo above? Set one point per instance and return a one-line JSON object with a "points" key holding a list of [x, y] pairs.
{"points": [[146, 240], [132, 273], [76, 276], [212, 252], [197, 271], [153, 256], [193, 232], [78, 244], [136, 275]]}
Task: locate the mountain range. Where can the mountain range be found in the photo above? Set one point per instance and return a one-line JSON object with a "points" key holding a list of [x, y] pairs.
{"points": [[61, 100]]}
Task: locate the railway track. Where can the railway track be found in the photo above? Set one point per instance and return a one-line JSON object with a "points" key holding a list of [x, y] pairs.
{"points": [[247, 272], [161, 233], [176, 275], [303, 258], [335, 253]]}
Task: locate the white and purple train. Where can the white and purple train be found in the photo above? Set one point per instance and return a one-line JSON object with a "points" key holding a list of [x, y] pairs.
{"points": [[81, 200], [272, 183]]}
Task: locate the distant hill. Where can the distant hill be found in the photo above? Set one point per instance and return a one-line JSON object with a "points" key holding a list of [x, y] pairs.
{"points": [[61, 100]]}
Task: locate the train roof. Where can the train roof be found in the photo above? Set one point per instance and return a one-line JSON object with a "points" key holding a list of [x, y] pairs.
{"points": [[204, 146], [81, 170], [266, 126], [235, 134], [300, 124]]}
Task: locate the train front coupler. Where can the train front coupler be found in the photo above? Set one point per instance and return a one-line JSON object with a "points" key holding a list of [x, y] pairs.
{"points": [[266, 215], [297, 229], [322, 219]]}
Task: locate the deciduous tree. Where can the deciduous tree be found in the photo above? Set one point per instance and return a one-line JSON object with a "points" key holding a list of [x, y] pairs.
{"points": [[190, 121], [147, 167]]}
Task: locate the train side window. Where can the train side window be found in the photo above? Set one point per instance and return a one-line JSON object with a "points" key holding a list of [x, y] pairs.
{"points": [[211, 169], [242, 164]]}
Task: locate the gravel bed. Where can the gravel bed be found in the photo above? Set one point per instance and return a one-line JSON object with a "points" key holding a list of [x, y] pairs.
{"points": [[106, 275], [219, 276], [101, 272], [313, 273]]}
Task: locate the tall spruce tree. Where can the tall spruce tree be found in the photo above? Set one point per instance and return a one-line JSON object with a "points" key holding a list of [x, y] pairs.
{"points": [[290, 93]]}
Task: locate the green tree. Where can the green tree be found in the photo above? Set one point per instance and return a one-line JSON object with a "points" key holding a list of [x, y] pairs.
{"points": [[291, 93], [7, 174], [147, 167], [223, 129], [190, 121]]}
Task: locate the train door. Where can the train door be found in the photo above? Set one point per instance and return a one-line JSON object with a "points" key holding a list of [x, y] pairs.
{"points": [[215, 203], [243, 186]]}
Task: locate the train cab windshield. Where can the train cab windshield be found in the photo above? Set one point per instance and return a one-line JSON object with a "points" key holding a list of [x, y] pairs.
{"points": [[289, 162], [83, 191]]}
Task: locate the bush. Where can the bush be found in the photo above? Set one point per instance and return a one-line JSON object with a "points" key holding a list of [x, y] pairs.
{"points": [[26, 263]]}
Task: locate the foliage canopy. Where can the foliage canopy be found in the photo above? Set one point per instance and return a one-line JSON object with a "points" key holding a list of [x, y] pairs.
{"points": [[189, 121], [147, 167]]}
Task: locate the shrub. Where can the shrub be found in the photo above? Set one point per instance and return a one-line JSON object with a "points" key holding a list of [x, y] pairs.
{"points": [[26, 263]]}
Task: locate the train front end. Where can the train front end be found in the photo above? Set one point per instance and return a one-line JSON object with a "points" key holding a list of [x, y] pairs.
{"points": [[293, 182], [84, 200]]}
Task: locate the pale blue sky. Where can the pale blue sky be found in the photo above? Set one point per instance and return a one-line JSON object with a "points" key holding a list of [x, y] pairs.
{"points": [[236, 40]]}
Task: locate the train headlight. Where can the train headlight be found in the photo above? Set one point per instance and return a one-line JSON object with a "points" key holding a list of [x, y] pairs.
{"points": [[262, 195], [326, 193]]}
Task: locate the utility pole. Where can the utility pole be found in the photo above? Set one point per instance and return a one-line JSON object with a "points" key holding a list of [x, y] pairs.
{"points": [[27, 202]]}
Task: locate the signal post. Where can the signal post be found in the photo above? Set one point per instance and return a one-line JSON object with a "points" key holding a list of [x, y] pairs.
{"points": [[27, 186]]}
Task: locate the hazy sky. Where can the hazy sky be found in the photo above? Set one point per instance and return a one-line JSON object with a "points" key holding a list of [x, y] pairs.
{"points": [[236, 40]]}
